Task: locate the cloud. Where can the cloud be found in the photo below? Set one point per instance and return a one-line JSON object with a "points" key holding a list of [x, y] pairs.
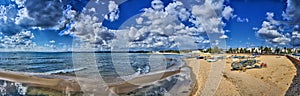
{"points": [[44, 14], [7, 17], [290, 22], [278, 31], [268, 31], [139, 20], [156, 27], [239, 19], [227, 12], [87, 28], [29, 14], [292, 13], [185, 42], [255, 28], [159, 28], [10, 28], [281, 40], [24, 15], [164, 28], [19, 40], [223, 37], [52, 41], [157, 5], [20, 3], [177, 8], [113, 9], [270, 18], [205, 41], [295, 38], [7, 13], [271, 34], [3, 13], [208, 17], [51, 45]]}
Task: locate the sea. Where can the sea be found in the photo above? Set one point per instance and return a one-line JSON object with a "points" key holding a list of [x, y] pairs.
{"points": [[108, 65]]}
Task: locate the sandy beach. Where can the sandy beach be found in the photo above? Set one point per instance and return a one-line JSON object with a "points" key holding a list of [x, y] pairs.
{"points": [[274, 80], [271, 81]]}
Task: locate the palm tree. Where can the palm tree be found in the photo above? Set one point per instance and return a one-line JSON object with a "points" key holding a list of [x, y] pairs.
{"points": [[237, 50], [285, 49], [252, 50], [289, 51], [230, 50], [277, 50], [245, 50], [209, 50], [216, 49], [267, 50], [261, 49]]}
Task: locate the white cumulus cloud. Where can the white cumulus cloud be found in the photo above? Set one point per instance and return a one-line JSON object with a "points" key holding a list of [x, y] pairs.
{"points": [[227, 12], [223, 37], [157, 27], [113, 9], [52, 41], [239, 19]]}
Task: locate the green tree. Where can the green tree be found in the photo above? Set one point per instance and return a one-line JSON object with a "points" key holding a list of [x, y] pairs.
{"points": [[252, 50], [245, 50], [209, 50], [230, 50], [216, 50], [277, 50], [238, 50], [267, 50], [261, 49], [285, 50], [289, 51]]}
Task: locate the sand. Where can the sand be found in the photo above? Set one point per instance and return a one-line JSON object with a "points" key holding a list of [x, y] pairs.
{"points": [[130, 85], [52, 83], [271, 81], [201, 68]]}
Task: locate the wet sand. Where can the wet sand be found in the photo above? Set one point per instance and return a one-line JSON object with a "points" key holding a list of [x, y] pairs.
{"points": [[75, 84], [294, 87], [52, 83], [201, 70], [130, 85]]}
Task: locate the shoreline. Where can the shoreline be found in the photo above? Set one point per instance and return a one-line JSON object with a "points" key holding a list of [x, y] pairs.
{"points": [[195, 83], [74, 84], [197, 73], [294, 87]]}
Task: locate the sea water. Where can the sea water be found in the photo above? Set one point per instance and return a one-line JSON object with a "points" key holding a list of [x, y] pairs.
{"points": [[57, 62]]}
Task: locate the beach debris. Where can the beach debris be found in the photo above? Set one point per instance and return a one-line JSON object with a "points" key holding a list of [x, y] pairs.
{"points": [[200, 57], [211, 60], [263, 65], [247, 64]]}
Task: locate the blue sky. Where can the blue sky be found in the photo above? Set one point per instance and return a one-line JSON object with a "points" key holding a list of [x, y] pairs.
{"points": [[255, 10], [241, 27]]}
